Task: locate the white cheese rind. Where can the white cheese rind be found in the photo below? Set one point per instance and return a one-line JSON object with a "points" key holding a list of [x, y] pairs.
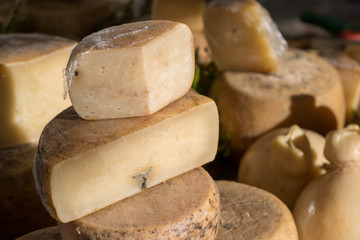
{"points": [[175, 209], [131, 70], [31, 84], [82, 166]]}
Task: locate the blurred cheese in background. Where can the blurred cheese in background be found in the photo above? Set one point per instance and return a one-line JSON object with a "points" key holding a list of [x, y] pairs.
{"points": [[31, 84]]}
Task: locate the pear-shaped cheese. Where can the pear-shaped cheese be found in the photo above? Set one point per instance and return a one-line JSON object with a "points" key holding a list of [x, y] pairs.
{"points": [[82, 166]]}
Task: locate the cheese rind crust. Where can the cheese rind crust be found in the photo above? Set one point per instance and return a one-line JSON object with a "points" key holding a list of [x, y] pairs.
{"points": [[184, 207], [50, 233]]}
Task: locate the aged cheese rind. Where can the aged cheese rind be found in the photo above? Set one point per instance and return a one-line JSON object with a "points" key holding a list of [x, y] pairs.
{"points": [[307, 92], [31, 84], [242, 36], [50, 233], [20, 205], [130, 70], [119, 157], [175, 209], [249, 213]]}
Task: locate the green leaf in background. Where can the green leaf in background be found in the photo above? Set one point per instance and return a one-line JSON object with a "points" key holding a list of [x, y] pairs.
{"points": [[196, 78]]}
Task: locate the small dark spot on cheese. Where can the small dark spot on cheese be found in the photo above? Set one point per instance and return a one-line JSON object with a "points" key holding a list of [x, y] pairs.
{"points": [[233, 30], [76, 73], [198, 226]]}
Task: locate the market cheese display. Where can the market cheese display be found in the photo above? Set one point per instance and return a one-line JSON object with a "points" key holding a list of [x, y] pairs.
{"points": [[328, 208], [283, 162], [130, 70], [185, 207], [249, 213], [19, 201], [242, 36], [50, 233], [307, 91], [31, 73]]}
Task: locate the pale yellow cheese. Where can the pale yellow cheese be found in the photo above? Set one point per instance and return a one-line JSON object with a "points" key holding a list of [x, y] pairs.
{"points": [[31, 84], [82, 166], [20, 205], [242, 36], [184, 207], [249, 213], [307, 91], [188, 12], [50, 233], [130, 70]]}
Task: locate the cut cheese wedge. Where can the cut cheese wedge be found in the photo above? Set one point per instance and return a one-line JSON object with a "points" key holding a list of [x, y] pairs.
{"points": [[307, 92], [31, 84], [83, 166], [20, 205], [242, 36], [249, 213], [185, 207], [50, 233], [130, 70]]}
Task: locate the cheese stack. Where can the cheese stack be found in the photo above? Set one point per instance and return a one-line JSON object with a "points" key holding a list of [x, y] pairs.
{"points": [[263, 85], [31, 94], [133, 126]]}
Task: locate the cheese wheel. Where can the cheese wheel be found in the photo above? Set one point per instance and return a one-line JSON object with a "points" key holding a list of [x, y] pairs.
{"points": [[31, 84], [185, 207], [307, 91], [283, 162], [20, 206], [131, 70], [82, 166], [242, 36], [50, 233], [249, 213]]}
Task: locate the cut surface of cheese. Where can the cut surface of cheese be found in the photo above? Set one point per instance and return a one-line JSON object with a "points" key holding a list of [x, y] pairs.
{"points": [[20, 205], [307, 92], [130, 70], [184, 207], [249, 213], [31, 84], [188, 12], [50, 233], [82, 166], [242, 36]]}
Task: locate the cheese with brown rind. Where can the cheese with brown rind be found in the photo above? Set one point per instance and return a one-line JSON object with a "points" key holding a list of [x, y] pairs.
{"points": [[249, 213], [242, 36], [307, 92], [82, 166], [130, 70], [175, 209], [50, 233], [31, 84]]}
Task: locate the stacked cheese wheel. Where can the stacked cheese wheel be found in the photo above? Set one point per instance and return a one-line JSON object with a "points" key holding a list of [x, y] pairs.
{"points": [[31, 94], [263, 85], [124, 161]]}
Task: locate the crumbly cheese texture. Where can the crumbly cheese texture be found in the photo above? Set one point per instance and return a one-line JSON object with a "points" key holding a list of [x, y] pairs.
{"points": [[242, 36], [249, 213], [50, 233], [82, 166], [175, 209], [188, 12], [130, 70], [31, 84], [307, 91]]}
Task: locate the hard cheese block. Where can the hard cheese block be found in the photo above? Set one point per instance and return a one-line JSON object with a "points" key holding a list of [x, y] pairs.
{"points": [[307, 92], [31, 84], [175, 209], [188, 12], [20, 205], [129, 70], [249, 213], [50, 233], [82, 166], [242, 36]]}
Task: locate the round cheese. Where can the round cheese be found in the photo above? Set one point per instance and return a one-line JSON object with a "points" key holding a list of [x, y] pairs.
{"points": [[307, 91], [249, 213], [185, 207], [50, 233]]}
